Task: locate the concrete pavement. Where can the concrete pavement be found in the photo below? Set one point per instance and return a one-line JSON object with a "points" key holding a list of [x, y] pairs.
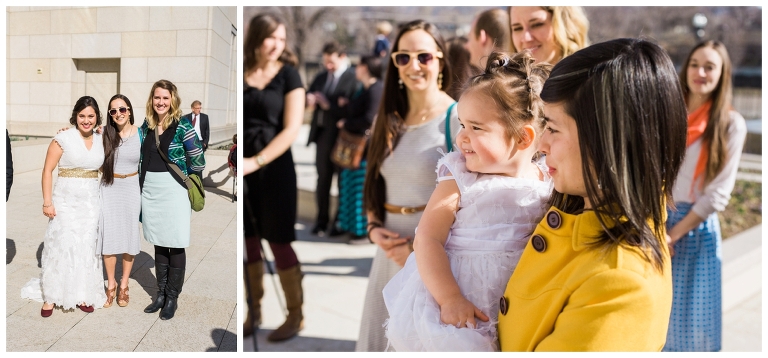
{"points": [[206, 319], [336, 279]]}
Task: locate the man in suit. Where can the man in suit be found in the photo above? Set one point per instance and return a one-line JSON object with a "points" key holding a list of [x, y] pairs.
{"points": [[200, 122], [338, 80]]}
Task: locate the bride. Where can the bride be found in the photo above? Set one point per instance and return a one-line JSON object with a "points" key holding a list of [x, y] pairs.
{"points": [[71, 267]]}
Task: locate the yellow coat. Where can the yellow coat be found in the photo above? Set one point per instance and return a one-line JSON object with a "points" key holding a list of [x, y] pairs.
{"points": [[575, 297]]}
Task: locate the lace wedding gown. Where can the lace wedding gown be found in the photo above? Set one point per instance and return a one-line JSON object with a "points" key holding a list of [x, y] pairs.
{"points": [[71, 265]]}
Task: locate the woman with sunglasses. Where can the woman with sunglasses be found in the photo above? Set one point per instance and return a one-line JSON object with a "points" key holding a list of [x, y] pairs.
{"points": [[120, 199], [408, 133]]}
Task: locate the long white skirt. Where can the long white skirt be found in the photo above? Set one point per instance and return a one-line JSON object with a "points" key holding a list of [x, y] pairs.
{"points": [[71, 262]]}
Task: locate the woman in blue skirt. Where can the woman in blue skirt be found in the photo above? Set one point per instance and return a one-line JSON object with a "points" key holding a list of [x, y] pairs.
{"points": [[716, 135]]}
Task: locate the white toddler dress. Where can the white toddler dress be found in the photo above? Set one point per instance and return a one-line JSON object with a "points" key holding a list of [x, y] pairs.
{"points": [[495, 219]]}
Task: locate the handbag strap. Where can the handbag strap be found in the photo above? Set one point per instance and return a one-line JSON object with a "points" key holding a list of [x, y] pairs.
{"points": [[173, 166], [448, 141]]}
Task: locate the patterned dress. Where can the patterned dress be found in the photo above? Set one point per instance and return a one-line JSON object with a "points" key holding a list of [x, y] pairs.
{"points": [[121, 203], [695, 323]]}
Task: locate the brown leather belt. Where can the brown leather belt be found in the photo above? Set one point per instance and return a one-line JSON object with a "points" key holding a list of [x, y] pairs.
{"points": [[123, 176], [394, 209]]}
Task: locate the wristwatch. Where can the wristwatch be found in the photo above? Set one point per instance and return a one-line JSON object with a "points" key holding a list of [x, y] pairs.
{"points": [[260, 160]]}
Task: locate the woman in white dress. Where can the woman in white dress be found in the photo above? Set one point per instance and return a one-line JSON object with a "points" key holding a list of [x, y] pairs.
{"points": [[120, 196], [71, 264]]}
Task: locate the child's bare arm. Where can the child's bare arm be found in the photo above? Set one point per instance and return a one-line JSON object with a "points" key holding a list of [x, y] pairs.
{"points": [[432, 261]]}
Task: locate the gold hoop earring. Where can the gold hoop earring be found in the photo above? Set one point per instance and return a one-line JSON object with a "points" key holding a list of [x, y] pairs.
{"points": [[400, 83], [440, 81]]}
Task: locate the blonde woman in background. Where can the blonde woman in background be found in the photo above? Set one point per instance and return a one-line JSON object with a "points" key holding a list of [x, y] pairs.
{"points": [[549, 32]]}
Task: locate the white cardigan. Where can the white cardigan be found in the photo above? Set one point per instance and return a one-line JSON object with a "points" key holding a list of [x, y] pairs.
{"points": [[717, 193]]}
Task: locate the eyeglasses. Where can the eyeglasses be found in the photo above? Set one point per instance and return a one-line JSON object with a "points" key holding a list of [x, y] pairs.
{"points": [[403, 58], [122, 110]]}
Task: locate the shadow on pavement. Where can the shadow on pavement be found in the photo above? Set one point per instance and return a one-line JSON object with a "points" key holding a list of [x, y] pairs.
{"points": [[297, 344], [360, 267], [10, 250], [225, 341], [39, 255]]}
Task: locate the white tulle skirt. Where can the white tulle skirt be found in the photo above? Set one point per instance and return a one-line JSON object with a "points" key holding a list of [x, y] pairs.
{"points": [[71, 264], [414, 316]]}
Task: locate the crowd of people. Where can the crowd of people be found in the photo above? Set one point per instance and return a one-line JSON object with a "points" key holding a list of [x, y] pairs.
{"points": [[565, 193], [112, 179]]}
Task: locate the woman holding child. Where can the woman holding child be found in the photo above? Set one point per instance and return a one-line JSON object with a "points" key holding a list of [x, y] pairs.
{"points": [[596, 274], [403, 151]]}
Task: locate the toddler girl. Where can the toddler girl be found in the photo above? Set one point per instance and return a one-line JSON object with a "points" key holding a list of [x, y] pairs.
{"points": [[491, 192]]}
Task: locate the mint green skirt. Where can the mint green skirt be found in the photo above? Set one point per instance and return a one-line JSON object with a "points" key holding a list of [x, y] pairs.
{"points": [[165, 211]]}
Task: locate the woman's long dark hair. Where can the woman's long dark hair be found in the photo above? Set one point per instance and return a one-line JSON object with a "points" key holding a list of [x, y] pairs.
{"points": [[112, 141], [390, 122], [261, 26], [630, 117], [716, 133]]}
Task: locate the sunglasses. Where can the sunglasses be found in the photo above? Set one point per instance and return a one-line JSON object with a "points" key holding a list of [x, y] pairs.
{"points": [[122, 110], [403, 58]]}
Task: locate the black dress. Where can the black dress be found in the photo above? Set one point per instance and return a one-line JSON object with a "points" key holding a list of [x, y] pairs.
{"points": [[270, 191]]}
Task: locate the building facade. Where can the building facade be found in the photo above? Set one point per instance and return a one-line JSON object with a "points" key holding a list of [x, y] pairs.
{"points": [[55, 55]]}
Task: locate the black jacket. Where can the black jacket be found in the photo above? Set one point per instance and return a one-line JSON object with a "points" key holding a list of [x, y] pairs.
{"points": [[345, 87], [205, 129]]}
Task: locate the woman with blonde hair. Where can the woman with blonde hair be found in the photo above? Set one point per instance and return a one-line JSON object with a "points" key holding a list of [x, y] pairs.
{"points": [[549, 32], [165, 207]]}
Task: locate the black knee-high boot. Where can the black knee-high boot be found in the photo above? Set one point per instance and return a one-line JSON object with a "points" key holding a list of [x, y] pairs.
{"points": [[172, 291], [161, 271]]}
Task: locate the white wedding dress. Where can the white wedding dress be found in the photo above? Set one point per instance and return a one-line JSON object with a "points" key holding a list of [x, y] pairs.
{"points": [[71, 265]]}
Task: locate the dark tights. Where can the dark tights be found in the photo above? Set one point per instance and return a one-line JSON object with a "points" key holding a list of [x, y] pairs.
{"points": [[171, 256], [285, 257]]}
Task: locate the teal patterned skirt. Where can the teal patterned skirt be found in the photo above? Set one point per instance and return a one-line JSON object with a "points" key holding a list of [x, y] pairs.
{"points": [[352, 217]]}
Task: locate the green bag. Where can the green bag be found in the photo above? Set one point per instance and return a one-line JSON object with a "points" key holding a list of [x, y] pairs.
{"points": [[193, 182], [195, 191]]}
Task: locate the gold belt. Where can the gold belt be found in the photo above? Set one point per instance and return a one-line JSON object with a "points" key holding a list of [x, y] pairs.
{"points": [[394, 209], [123, 176], [78, 173]]}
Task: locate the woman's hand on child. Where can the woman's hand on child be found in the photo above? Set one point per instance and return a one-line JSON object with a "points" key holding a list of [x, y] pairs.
{"points": [[460, 312]]}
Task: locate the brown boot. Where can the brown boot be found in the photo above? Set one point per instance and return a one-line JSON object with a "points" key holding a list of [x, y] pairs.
{"points": [[255, 275], [290, 279]]}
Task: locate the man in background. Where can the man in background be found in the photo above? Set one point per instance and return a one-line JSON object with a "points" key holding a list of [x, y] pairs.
{"points": [[200, 122], [338, 80]]}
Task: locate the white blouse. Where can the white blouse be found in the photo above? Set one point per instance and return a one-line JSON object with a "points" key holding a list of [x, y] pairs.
{"points": [[714, 196]]}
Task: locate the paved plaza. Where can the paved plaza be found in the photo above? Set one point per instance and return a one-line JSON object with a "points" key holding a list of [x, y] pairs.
{"points": [[206, 319]]}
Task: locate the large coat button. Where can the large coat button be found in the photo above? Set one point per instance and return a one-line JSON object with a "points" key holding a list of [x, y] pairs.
{"points": [[538, 242], [503, 305], [554, 220]]}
